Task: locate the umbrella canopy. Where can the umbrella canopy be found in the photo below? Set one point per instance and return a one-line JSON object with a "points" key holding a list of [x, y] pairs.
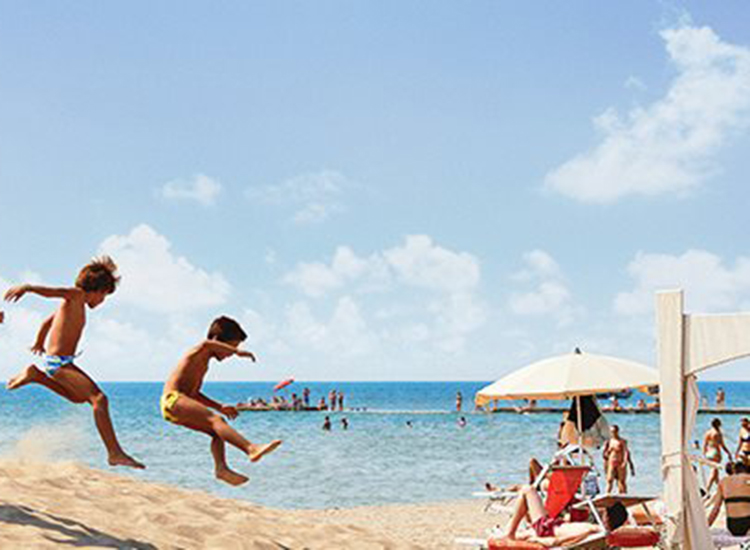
{"points": [[570, 375]]}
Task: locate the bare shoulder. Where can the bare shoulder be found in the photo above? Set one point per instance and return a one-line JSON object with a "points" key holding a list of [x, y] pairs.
{"points": [[75, 295]]}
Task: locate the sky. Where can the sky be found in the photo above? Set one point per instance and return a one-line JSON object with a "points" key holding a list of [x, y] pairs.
{"points": [[379, 190]]}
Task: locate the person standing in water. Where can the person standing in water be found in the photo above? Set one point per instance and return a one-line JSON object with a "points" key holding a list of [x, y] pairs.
{"points": [[459, 401]]}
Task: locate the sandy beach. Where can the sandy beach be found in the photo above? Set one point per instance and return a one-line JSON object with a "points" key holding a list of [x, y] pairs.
{"points": [[47, 505]]}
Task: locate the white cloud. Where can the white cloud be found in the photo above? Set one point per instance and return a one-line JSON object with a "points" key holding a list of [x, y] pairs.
{"points": [[201, 189], [421, 263], [709, 284], [550, 295], [448, 316], [667, 147], [155, 279], [315, 197], [316, 279], [346, 334]]}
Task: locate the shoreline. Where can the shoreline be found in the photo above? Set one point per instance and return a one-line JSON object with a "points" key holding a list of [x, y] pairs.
{"points": [[44, 505]]}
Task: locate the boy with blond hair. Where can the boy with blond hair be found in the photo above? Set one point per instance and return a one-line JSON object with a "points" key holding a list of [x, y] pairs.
{"points": [[58, 339], [184, 404]]}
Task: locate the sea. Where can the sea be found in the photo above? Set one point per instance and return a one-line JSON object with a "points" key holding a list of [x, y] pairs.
{"points": [[404, 443]]}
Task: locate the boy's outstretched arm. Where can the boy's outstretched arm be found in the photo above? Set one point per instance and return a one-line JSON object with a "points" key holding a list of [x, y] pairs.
{"points": [[16, 293], [227, 410], [215, 345], [41, 336]]}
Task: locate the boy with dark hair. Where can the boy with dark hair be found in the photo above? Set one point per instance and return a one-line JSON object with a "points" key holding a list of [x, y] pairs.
{"points": [[94, 283], [183, 403]]}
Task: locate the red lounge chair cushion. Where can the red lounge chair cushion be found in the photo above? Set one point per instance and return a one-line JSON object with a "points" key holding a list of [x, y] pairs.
{"points": [[507, 544], [563, 484], [629, 537]]}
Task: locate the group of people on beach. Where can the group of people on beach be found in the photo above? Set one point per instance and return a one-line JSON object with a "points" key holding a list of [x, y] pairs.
{"points": [[182, 402]]}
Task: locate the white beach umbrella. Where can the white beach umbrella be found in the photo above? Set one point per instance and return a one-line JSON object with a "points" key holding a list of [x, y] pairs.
{"points": [[570, 375]]}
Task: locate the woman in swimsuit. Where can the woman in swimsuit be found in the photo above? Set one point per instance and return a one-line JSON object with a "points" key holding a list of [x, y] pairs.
{"points": [[713, 444], [743, 447], [734, 491]]}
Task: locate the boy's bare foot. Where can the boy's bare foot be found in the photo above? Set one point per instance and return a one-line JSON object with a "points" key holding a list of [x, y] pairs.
{"points": [[233, 478], [259, 451], [125, 460], [26, 376]]}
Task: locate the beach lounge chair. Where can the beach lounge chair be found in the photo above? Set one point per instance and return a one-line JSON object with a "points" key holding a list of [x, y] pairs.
{"points": [[592, 542], [501, 500], [564, 482]]}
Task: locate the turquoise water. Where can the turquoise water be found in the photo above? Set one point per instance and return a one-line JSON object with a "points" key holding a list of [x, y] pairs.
{"points": [[378, 460]]}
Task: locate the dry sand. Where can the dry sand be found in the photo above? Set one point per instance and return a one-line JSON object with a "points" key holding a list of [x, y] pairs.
{"points": [[47, 505]]}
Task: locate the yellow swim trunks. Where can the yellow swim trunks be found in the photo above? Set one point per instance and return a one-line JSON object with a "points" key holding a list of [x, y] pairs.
{"points": [[167, 402]]}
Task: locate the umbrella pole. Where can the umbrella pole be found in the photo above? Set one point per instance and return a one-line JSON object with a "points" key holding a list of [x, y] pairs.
{"points": [[580, 429]]}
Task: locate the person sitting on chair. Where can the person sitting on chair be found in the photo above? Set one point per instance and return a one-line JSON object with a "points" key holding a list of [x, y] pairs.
{"points": [[734, 492]]}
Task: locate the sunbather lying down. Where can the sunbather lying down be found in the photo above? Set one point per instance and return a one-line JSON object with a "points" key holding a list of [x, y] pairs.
{"points": [[550, 531]]}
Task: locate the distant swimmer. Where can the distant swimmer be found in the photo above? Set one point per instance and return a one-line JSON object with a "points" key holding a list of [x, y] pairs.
{"points": [[327, 424], [616, 460], [184, 404], [713, 445], [345, 423], [409, 424], [462, 422], [95, 282]]}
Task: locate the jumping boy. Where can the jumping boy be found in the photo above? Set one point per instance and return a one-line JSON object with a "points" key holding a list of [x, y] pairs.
{"points": [[95, 282], [183, 403]]}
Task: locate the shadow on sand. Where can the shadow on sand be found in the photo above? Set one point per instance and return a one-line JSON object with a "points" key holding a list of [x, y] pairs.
{"points": [[66, 531]]}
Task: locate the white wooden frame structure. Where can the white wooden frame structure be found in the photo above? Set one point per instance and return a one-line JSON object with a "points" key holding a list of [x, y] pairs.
{"points": [[687, 345]]}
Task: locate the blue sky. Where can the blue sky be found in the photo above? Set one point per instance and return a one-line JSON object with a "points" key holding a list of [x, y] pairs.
{"points": [[377, 190]]}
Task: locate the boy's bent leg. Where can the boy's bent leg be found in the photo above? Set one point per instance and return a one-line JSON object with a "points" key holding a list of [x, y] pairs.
{"points": [[223, 472], [33, 375], [192, 414], [82, 387]]}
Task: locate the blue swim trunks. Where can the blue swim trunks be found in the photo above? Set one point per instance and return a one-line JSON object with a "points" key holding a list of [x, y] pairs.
{"points": [[52, 363]]}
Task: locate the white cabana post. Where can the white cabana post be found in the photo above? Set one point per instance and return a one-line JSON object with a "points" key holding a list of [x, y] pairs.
{"points": [[686, 345]]}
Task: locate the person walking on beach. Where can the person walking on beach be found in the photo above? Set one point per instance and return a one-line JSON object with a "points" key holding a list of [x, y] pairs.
{"points": [[184, 404], [713, 444], [459, 401], [58, 339], [616, 460]]}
